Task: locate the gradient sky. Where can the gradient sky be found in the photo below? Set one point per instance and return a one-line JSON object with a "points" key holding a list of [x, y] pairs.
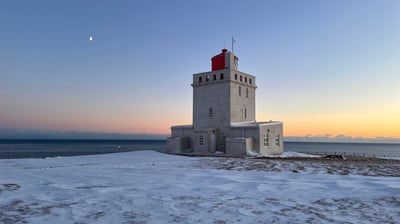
{"points": [[322, 67]]}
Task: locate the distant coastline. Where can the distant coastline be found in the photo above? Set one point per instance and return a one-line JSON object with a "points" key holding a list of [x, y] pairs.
{"points": [[163, 139], [342, 139], [75, 135], [12, 134]]}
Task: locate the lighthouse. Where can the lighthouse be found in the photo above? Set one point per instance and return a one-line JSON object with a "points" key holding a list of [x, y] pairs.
{"points": [[224, 115]]}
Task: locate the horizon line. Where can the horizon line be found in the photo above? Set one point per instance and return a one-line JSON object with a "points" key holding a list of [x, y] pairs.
{"points": [[72, 135]]}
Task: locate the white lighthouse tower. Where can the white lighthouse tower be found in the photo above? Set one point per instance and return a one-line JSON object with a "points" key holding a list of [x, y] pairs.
{"points": [[224, 116]]}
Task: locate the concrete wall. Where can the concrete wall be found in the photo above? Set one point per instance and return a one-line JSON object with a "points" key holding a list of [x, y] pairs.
{"points": [[224, 99], [274, 132], [183, 130], [246, 99], [229, 60], [246, 132], [181, 139], [200, 148], [184, 139], [178, 144], [239, 146], [242, 102], [257, 132], [213, 94]]}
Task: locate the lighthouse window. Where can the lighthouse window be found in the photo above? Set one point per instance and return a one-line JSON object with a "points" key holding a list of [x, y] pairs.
{"points": [[221, 76], [240, 91], [200, 79], [235, 76], [245, 79], [277, 139], [207, 78], [241, 78], [266, 139], [214, 77], [247, 92]]}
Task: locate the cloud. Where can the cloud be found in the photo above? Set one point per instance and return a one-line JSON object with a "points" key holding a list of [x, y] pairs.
{"points": [[341, 138]]}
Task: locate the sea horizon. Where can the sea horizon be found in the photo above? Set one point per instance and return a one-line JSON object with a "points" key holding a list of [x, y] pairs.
{"points": [[366, 141], [39, 148]]}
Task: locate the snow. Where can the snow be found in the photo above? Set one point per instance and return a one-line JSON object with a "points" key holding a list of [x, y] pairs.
{"points": [[297, 155], [252, 153], [291, 154], [390, 158], [150, 187], [288, 154]]}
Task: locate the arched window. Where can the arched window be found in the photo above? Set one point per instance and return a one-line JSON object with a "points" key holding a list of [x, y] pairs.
{"points": [[243, 112], [207, 78], [235, 76], [240, 91], [214, 77], [241, 78], [200, 79], [247, 92], [221, 76]]}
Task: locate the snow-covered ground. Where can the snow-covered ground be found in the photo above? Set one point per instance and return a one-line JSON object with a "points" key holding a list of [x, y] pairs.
{"points": [[290, 155], [150, 187]]}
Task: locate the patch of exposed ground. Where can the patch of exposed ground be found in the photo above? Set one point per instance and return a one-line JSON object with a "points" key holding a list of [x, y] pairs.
{"points": [[9, 187], [17, 211], [351, 165]]}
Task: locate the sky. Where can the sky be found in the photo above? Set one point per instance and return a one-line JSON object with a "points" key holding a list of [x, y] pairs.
{"points": [[324, 68]]}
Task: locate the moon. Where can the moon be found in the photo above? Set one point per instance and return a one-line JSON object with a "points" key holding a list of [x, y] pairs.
{"points": [[90, 38]]}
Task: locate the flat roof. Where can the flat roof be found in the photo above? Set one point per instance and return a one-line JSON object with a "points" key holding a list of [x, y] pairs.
{"points": [[253, 124], [182, 126]]}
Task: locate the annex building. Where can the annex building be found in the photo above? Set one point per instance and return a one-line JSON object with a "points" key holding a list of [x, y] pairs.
{"points": [[224, 115]]}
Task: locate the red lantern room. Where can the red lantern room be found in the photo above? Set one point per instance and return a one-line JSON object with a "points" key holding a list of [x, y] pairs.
{"points": [[218, 61]]}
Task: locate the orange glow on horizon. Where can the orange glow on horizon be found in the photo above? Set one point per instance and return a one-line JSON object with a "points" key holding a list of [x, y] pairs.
{"points": [[364, 126], [371, 124]]}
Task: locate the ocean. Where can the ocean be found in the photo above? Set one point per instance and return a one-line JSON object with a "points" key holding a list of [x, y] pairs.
{"points": [[357, 149], [50, 148]]}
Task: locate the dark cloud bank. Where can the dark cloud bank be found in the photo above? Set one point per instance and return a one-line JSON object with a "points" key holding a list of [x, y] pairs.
{"points": [[340, 138], [39, 134]]}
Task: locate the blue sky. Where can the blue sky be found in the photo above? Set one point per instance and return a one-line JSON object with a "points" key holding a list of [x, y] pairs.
{"points": [[331, 66]]}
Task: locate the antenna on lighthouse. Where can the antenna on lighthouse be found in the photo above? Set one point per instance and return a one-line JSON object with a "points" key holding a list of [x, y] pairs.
{"points": [[233, 41]]}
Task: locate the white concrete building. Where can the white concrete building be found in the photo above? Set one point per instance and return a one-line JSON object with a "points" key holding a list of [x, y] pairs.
{"points": [[224, 115]]}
